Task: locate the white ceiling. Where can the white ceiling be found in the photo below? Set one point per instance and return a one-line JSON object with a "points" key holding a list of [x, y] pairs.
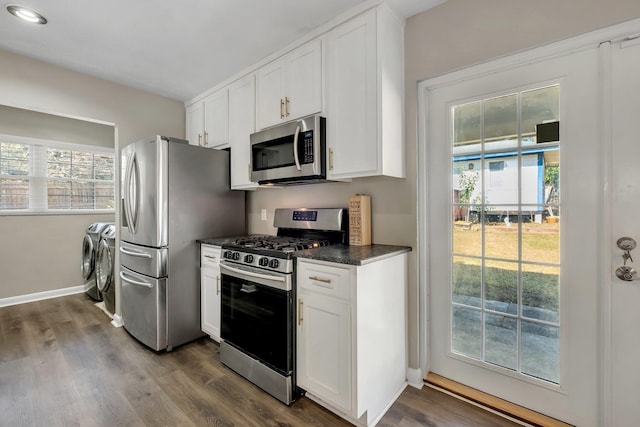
{"points": [[170, 48]]}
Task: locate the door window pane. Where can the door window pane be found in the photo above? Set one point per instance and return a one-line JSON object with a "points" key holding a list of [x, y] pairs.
{"points": [[467, 281], [540, 351], [501, 122], [541, 292], [539, 106], [501, 286], [467, 332], [467, 127], [501, 344]]}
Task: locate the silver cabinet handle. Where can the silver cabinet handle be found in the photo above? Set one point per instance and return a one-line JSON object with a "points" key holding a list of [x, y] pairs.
{"points": [[135, 282], [211, 257], [138, 254], [330, 159], [319, 279]]}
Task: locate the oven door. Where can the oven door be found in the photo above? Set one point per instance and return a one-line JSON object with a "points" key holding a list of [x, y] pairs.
{"points": [[258, 318]]}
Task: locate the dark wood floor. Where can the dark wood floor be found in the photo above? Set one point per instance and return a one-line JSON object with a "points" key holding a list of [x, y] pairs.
{"points": [[63, 364]]}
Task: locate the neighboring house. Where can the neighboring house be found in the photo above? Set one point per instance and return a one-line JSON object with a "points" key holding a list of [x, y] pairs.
{"points": [[500, 182]]}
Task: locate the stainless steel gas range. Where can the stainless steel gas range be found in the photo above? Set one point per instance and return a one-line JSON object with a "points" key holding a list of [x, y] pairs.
{"points": [[258, 294]]}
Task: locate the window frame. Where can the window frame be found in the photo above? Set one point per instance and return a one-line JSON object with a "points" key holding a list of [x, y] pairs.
{"points": [[40, 207]]}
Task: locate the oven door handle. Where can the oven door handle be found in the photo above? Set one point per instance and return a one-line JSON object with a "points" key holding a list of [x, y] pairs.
{"points": [[252, 274]]}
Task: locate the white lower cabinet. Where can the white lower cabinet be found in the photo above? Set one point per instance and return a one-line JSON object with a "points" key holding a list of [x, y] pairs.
{"points": [[351, 335], [210, 290]]}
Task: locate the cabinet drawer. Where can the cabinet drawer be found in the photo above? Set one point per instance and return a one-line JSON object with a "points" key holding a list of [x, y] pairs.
{"points": [[325, 279], [210, 256]]}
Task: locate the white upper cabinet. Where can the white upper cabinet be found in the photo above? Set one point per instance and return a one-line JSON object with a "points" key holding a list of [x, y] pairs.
{"points": [[216, 119], [207, 121], [290, 87], [365, 96], [242, 124], [195, 123]]}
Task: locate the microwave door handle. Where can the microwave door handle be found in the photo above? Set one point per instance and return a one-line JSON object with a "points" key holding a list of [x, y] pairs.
{"points": [[295, 148]]}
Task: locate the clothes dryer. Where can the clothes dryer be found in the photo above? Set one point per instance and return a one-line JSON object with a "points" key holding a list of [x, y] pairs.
{"points": [[105, 268], [89, 252]]}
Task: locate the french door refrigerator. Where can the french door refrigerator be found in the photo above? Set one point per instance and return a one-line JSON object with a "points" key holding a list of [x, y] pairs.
{"points": [[173, 194]]}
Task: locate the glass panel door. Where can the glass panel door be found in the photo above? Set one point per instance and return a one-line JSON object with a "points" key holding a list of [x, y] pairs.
{"points": [[512, 164]]}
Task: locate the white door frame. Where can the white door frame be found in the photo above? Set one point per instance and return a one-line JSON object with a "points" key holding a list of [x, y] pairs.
{"points": [[585, 41]]}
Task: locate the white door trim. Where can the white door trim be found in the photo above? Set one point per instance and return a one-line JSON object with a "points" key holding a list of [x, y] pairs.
{"points": [[605, 333], [596, 38]]}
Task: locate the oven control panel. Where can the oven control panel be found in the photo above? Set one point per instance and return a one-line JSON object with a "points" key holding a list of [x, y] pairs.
{"points": [[259, 261]]}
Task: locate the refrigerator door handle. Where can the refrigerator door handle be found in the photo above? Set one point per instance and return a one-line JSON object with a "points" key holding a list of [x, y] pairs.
{"points": [[131, 186], [135, 282]]}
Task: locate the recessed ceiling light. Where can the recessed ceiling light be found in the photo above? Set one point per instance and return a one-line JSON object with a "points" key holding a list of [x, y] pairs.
{"points": [[26, 14]]}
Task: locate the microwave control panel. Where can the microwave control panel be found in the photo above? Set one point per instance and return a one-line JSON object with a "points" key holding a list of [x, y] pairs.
{"points": [[307, 152]]}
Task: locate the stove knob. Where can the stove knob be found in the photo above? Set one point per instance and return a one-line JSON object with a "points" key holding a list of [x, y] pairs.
{"points": [[274, 263], [227, 254], [236, 256], [248, 259], [263, 262]]}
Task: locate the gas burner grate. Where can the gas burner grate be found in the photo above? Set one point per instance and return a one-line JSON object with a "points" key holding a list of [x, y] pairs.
{"points": [[282, 244]]}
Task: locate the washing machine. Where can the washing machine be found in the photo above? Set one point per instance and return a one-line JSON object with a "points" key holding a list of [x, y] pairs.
{"points": [[89, 253], [105, 260]]}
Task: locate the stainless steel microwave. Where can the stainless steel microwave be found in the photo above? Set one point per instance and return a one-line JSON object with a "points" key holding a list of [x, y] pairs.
{"points": [[291, 153]]}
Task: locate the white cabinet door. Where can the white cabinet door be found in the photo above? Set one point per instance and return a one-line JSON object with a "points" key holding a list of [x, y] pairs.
{"points": [[303, 94], [291, 87], [211, 302], [351, 97], [270, 96], [365, 93], [324, 348], [241, 125], [216, 119], [195, 123]]}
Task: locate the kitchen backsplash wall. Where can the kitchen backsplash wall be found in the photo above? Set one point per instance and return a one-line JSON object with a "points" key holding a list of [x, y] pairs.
{"points": [[393, 213]]}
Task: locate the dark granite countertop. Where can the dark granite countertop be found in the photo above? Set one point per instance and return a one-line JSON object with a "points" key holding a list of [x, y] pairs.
{"points": [[342, 254], [353, 255]]}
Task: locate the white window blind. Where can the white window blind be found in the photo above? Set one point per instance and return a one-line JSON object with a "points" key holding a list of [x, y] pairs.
{"points": [[51, 176]]}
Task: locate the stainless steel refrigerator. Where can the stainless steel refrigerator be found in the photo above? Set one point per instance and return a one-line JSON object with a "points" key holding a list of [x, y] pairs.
{"points": [[173, 194]]}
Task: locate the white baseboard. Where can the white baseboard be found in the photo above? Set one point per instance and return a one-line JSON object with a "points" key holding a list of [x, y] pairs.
{"points": [[55, 293], [415, 378]]}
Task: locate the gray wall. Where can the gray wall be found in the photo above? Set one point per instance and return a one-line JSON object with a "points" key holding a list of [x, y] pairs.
{"points": [[43, 252], [34, 124], [453, 35]]}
